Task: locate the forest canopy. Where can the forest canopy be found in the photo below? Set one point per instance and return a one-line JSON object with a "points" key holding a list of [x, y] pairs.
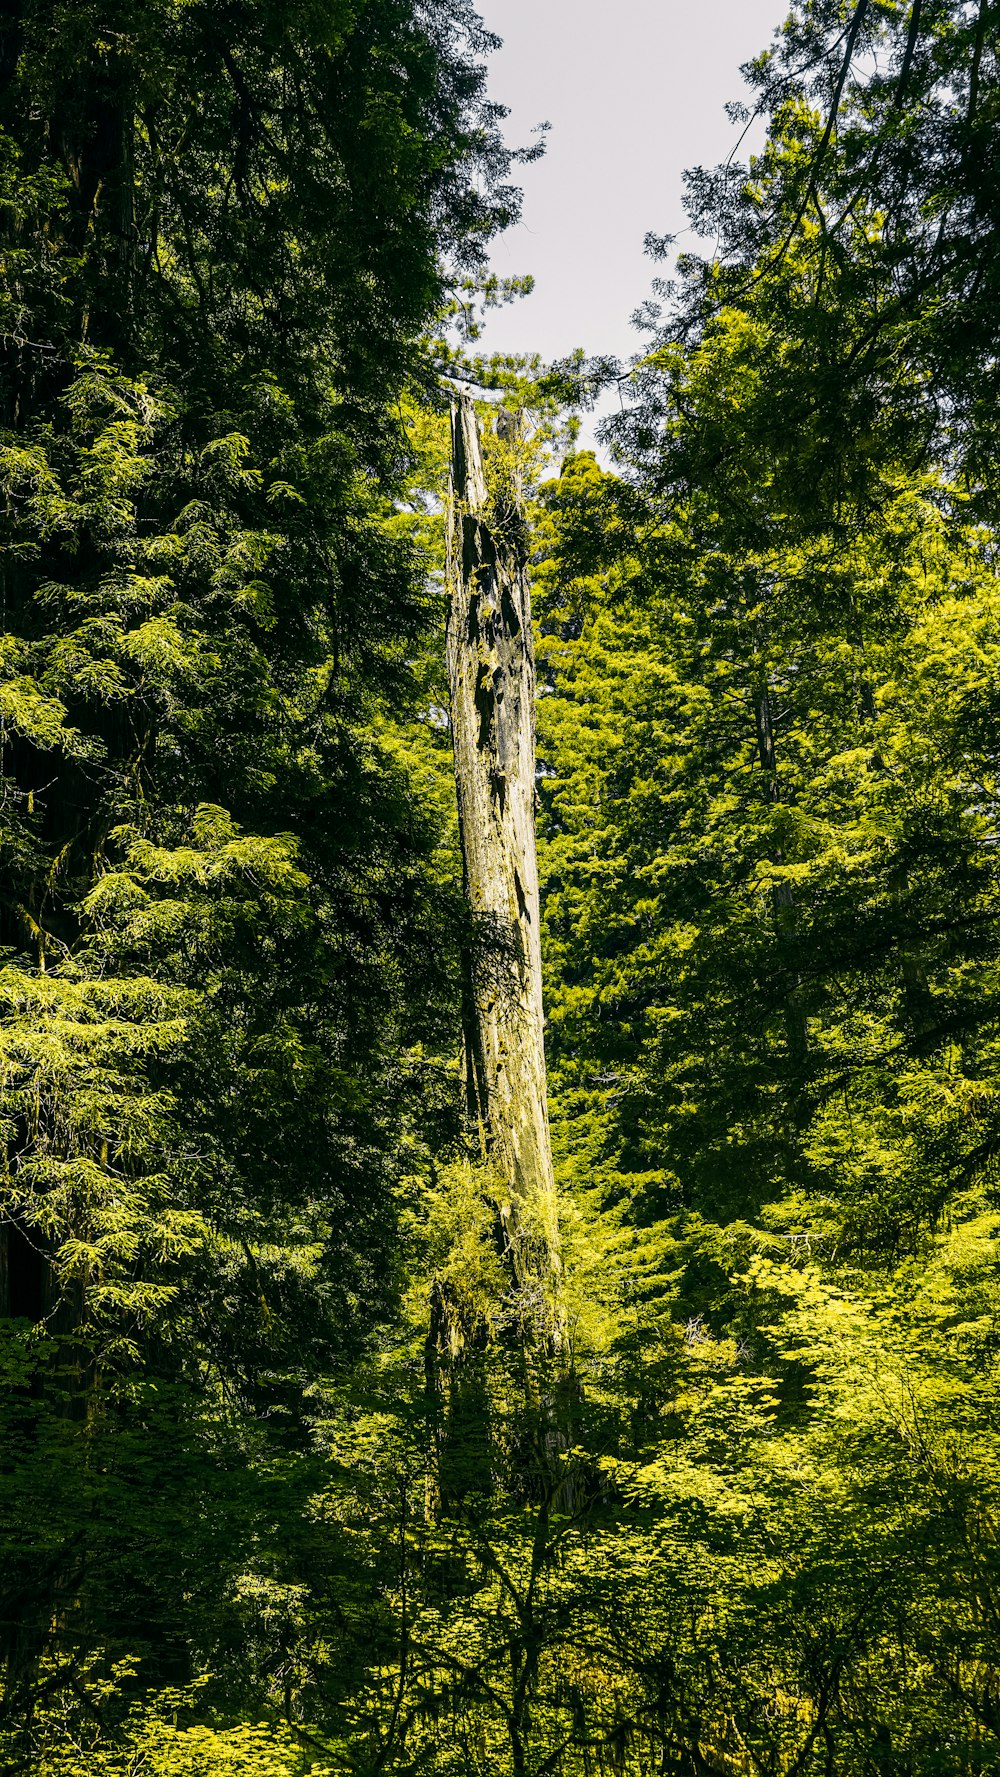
{"points": [[499, 949]]}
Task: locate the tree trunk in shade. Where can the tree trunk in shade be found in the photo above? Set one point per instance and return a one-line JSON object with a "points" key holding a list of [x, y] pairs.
{"points": [[491, 674]]}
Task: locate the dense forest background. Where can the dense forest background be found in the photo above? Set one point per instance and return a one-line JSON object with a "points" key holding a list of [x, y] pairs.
{"points": [[296, 1474]]}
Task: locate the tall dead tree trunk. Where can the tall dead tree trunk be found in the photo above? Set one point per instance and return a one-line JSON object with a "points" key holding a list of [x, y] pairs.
{"points": [[491, 674]]}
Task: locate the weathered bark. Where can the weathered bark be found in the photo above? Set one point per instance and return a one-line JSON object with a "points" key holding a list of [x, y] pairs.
{"points": [[491, 673]]}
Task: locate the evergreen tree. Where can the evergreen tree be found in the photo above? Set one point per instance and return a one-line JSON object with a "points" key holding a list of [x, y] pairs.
{"points": [[225, 232], [248, 1525]]}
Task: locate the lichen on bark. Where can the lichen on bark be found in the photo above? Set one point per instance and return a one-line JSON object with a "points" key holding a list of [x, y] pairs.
{"points": [[491, 674]]}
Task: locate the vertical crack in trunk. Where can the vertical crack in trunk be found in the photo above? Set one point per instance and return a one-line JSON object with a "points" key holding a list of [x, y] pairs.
{"points": [[491, 675]]}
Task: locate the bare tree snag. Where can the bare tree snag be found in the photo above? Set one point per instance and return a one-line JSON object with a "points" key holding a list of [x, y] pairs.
{"points": [[491, 674]]}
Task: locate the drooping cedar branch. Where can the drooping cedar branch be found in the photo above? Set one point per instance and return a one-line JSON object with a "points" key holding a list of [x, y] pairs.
{"points": [[491, 673]]}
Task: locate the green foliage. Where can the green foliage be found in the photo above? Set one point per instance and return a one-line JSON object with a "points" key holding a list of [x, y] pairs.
{"points": [[227, 962], [768, 819], [285, 1487]]}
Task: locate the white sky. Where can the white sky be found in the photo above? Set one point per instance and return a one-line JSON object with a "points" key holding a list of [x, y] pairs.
{"points": [[634, 90]]}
